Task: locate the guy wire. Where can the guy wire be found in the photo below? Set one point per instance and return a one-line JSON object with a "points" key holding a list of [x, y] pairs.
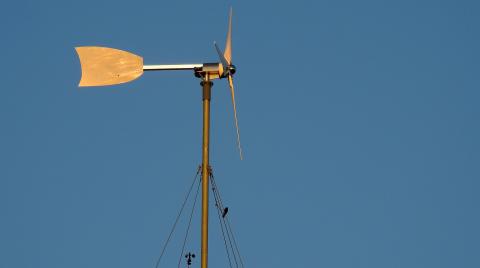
{"points": [[189, 224], [178, 217], [219, 212], [227, 223]]}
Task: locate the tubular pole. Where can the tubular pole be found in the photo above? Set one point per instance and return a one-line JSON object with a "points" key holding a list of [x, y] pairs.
{"points": [[207, 88], [170, 67]]}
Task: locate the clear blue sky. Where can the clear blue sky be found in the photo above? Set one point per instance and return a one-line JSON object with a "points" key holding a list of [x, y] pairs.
{"points": [[359, 122]]}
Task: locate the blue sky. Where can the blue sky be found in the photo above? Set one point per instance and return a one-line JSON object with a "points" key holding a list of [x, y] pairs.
{"points": [[359, 123]]}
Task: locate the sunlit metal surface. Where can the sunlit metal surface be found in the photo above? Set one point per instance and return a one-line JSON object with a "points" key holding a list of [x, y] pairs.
{"points": [[102, 66], [167, 67]]}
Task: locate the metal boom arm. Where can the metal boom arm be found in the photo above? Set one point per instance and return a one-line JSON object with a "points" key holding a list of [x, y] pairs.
{"points": [[169, 67]]}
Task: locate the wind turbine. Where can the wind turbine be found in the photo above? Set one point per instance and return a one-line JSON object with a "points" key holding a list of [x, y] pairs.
{"points": [[103, 66]]}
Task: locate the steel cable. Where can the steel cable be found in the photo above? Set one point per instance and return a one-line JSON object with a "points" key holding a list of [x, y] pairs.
{"points": [[176, 220], [219, 212], [227, 223], [189, 224]]}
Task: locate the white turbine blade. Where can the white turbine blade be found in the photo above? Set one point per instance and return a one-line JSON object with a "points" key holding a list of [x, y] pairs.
{"points": [[228, 43], [222, 57], [232, 91]]}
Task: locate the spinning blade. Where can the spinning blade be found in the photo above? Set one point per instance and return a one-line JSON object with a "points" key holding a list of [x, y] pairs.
{"points": [[232, 91], [228, 71], [228, 43], [224, 61]]}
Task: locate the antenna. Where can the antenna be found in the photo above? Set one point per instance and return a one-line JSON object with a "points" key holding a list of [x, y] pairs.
{"points": [[189, 258], [103, 66]]}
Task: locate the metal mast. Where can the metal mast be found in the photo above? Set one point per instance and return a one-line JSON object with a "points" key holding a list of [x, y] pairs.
{"points": [[207, 90]]}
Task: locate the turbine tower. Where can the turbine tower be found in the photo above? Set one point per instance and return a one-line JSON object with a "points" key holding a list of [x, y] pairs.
{"points": [[102, 66]]}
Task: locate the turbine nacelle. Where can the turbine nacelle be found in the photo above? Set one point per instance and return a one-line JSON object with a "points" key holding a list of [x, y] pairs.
{"points": [[214, 71]]}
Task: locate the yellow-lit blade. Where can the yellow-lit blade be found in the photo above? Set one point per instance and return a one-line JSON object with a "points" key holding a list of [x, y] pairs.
{"points": [[228, 44], [232, 90], [102, 66]]}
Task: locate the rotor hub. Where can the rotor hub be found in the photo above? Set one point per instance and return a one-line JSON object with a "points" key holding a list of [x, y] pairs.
{"points": [[232, 69]]}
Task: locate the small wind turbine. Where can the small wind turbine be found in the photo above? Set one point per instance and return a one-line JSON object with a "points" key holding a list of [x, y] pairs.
{"points": [[102, 66]]}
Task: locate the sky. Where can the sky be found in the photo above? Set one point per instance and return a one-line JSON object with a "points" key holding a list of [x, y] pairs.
{"points": [[358, 120]]}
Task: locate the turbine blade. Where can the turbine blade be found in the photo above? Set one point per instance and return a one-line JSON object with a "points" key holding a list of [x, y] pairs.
{"points": [[222, 58], [228, 43], [232, 91]]}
